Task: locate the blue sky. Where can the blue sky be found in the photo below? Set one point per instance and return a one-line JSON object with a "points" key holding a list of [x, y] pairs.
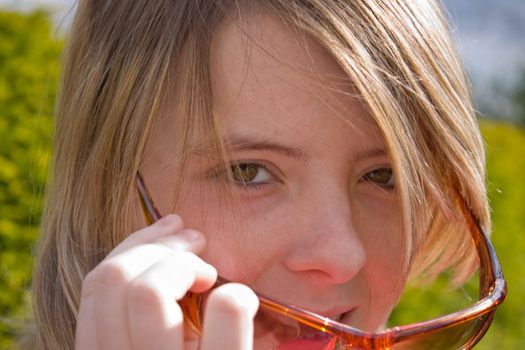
{"points": [[488, 34]]}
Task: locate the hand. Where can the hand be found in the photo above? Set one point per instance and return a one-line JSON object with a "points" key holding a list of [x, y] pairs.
{"points": [[129, 300]]}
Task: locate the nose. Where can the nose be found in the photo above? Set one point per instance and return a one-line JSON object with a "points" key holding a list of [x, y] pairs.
{"points": [[327, 247]]}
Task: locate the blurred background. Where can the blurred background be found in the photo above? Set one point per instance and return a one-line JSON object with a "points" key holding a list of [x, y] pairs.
{"points": [[488, 35]]}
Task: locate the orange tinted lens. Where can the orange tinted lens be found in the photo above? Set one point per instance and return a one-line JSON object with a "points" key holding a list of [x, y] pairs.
{"points": [[458, 336], [275, 331], [271, 329]]}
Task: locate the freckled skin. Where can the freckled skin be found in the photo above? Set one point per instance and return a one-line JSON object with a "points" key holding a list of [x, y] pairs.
{"points": [[313, 230]]}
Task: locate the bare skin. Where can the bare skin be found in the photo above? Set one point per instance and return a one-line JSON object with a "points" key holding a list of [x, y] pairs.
{"points": [[318, 222], [128, 299]]}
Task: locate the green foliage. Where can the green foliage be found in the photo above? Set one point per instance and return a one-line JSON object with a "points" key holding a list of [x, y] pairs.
{"points": [[506, 164], [517, 96], [28, 75]]}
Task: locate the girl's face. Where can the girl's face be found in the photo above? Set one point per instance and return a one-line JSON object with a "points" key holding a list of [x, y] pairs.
{"points": [[314, 220]]}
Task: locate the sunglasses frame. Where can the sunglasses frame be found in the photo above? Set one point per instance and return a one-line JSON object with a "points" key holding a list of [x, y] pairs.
{"points": [[492, 289]]}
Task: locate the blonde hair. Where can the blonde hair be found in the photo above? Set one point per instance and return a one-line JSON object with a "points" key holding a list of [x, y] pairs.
{"points": [[124, 56]]}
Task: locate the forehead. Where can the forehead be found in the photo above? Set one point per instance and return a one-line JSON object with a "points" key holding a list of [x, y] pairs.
{"points": [[268, 72], [264, 37], [261, 49]]}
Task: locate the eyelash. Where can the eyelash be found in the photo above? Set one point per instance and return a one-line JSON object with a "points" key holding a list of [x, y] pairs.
{"points": [[389, 186], [233, 167]]}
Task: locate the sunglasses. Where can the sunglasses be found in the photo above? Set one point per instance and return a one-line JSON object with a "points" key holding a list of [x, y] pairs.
{"points": [[284, 326]]}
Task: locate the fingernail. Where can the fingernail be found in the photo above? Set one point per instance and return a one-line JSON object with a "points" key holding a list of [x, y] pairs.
{"points": [[209, 271], [169, 220], [191, 236], [184, 240], [235, 297]]}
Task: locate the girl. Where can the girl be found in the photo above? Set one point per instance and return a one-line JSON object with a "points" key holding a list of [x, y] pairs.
{"points": [[318, 153]]}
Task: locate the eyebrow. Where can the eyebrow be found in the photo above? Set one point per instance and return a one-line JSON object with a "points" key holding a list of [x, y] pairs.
{"points": [[371, 153], [239, 143]]}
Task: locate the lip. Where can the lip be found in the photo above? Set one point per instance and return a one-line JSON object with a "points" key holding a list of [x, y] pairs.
{"points": [[339, 314], [310, 338], [314, 339], [346, 318]]}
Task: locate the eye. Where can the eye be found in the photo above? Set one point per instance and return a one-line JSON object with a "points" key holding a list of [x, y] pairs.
{"points": [[382, 177], [250, 174]]}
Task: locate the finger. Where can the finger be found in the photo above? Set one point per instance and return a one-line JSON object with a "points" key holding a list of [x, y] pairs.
{"points": [[85, 334], [101, 310], [111, 278], [169, 224], [154, 317], [136, 260], [185, 240], [228, 320]]}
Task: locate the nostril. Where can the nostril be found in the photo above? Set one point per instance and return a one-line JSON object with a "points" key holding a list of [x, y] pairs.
{"points": [[325, 264], [326, 243], [318, 275]]}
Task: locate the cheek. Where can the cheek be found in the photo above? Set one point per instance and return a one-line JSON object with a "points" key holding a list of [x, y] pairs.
{"points": [[384, 276], [385, 248], [239, 245], [382, 235], [378, 220]]}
